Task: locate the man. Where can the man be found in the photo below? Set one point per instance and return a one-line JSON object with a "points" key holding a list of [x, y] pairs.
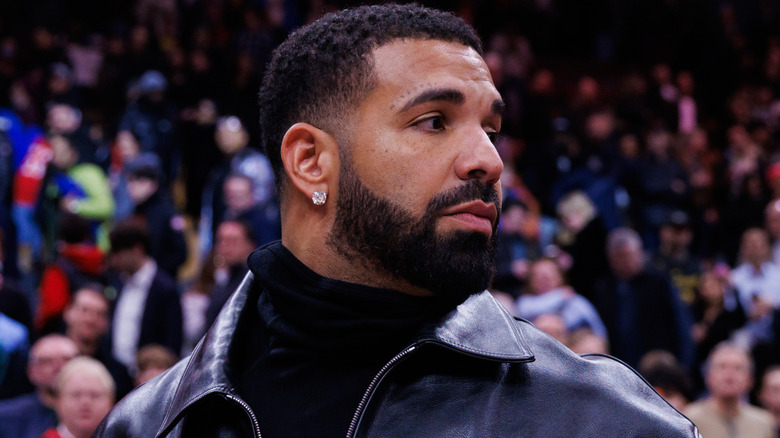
{"points": [[85, 394], [147, 310], [28, 416], [639, 306], [241, 204], [729, 377], [86, 323], [154, 206], [757, 282], [237, 158], [674, 257], [367, 318], [235, 241]]}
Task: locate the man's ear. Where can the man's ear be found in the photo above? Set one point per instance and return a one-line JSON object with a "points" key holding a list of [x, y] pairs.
{"points": [[310, 157]]}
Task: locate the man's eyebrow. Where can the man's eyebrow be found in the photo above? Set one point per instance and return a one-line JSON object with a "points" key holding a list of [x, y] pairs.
{"points": [[436, 94]]}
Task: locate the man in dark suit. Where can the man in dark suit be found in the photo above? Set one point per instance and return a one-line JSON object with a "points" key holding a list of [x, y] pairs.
{"points": [[147, 309], [639, 305]]}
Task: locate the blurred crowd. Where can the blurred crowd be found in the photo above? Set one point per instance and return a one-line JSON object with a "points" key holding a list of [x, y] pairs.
{"points": [[642, 185]]}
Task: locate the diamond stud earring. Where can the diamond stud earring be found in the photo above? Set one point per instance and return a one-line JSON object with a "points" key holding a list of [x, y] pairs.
{"points": [[319, 198]]}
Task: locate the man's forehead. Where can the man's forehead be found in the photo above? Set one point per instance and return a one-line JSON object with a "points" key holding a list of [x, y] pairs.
{"points": [[408, 67]]}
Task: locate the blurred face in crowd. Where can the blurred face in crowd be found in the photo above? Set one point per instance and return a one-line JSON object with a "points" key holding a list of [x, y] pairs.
{"points": [[755, 247], [231, 136], [47, 357], [419, 171], [128, 261], [84, 399], [63, 119], [64, 155], [675, 238], [87, 316], [626, 260], [729, 374], [141, 188], [772, 219], [127, 145], [711, 288], [770, 391], [232, 245], [545, 276], [238, 193]]}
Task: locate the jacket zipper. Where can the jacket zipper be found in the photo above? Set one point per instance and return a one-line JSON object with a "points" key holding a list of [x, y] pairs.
{"points": [[255, 423], [372, 386]]}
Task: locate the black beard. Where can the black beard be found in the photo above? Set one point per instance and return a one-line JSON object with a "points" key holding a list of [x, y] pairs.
{"points": [[377, 233]]}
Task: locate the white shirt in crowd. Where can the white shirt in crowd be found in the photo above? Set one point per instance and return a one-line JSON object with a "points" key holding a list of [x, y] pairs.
{"points": [[129, 313]]}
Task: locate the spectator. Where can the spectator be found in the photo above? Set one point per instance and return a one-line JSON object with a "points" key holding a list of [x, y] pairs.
{"points": [[194, 304], [151, 361], [725, 413], [124, 150], [582, 235], [28, 416], [769, 395], [235, 242], [13, 299], [154, 207], [757, 282], [584, 341], [78, 188], [152, 119], [14, 345], [85, 394], [147, 309], [717, 314], [548, 294], [674, 257], [79, 261], [87, 323], [523, 236], [232, 139], [241, 205], [662, 370], [639, 306]]}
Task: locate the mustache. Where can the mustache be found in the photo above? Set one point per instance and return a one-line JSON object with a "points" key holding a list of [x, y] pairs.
{"points": [[471, 191]]}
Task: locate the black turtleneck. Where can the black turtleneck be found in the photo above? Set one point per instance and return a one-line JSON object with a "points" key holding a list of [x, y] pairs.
{"points": [[323, 342]]}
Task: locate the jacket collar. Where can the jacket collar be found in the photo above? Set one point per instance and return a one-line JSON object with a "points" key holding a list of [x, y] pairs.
{"points": [[479, 327]]}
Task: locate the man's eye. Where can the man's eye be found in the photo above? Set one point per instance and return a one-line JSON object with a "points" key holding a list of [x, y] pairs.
{"points": [[492, 136], [433, 123]]}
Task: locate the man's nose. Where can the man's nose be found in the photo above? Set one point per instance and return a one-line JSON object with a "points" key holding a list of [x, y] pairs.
{"points": [[479, 159]]}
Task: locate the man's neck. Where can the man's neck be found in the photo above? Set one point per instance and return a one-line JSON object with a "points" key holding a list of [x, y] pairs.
{"points": [[322, 259], [87, 347], [727, 407], [47, 398]]}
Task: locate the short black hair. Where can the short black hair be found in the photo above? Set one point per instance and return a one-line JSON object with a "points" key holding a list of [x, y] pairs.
{"points": [[130, 233], [326, 68]]}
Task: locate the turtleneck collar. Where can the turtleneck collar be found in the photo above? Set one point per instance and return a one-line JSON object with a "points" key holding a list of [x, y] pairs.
{"points": [[315, 313]]}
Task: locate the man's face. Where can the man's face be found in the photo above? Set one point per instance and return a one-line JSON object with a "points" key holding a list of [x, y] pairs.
{"points": [[47, 358], [419, 193], [232, 244], [238, 193], [729, 374], [141, 188], [626, 260], [545, 276], [755, 246], [87, 316], [83, 401]]}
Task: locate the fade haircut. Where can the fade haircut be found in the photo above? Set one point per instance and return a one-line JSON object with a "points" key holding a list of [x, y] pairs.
{"points": [[324, 70]]}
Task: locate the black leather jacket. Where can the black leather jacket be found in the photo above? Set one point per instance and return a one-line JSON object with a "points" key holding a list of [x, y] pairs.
{"points": [[472, 375]]}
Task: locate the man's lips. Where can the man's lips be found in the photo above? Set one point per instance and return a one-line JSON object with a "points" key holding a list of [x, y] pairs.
{"points": [[477, 215]]}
